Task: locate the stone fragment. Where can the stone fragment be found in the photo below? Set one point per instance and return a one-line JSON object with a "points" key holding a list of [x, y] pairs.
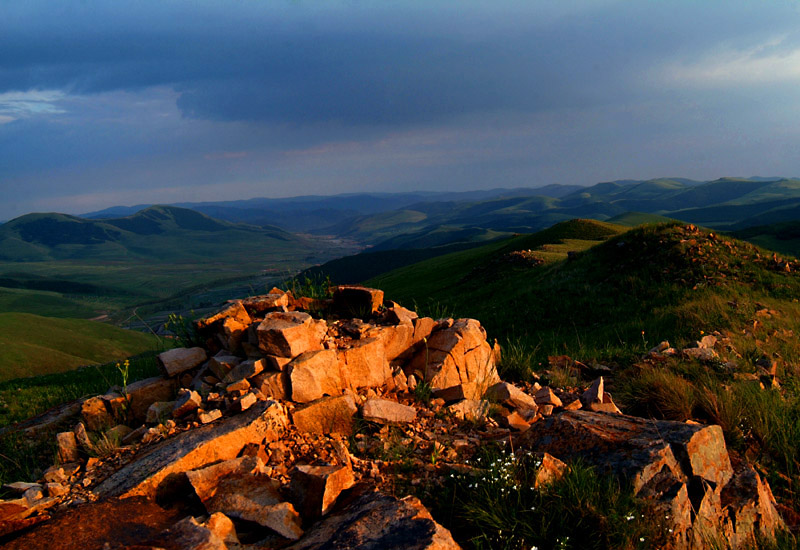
{"points": [[17, 508], [550, 470], [277, 363], [265, 302], [19, 487], [398, 315], [221, 525], [510, 396], [314, 374], [574, 405], [195, 448], [385, 411], [187, 402], [378, 521], [238, 386], [221, 365], [606, 406], [143, 393], [56, 489], [179, 360], [244, 370], [708, 341], [159, 411], [210, 416], [82, 437], [364, 365], [95, 415], [326, 415], [288, 334], [357, 301], [205, 480], [245, 402], [67, 447], [595, 392], [546, 396], [314, 489], [234, 310], [274, 385], [515, 421]]}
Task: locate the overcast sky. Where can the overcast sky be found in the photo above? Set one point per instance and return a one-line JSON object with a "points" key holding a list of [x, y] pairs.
{"points": [[105, 102]]}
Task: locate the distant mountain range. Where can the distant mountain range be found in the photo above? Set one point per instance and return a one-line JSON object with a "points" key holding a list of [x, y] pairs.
{"points": [[418, 220]]}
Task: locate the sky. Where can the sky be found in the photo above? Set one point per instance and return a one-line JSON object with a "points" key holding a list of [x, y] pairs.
{"points": [[108, 103]]}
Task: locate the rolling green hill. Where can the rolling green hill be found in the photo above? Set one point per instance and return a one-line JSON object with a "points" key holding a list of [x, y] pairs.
{"points": [[59, 265], [34, 345], [782, 237]]}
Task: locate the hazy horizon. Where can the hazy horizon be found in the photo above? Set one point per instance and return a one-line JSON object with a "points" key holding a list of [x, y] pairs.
{"points": [[104, 104]]}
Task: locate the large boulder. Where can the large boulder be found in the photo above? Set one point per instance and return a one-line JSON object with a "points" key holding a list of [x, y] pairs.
{"points": [[288, 334], [326, 415], [153, 471], [145, 392], [458, 354], [178, 360], [356, 301]]}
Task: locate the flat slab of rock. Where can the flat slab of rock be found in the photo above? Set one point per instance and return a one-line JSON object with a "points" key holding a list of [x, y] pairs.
{"points": [[326, 415], [190, 450], [178, 360], [385, 411], [376, 521]]}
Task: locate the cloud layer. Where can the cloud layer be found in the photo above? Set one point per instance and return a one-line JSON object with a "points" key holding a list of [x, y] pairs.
{"points": [[104, 102]]}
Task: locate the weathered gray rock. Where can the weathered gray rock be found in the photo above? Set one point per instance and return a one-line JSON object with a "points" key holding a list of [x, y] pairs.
{"points": [[385, 411], [546, 396], [159, 411], [469, 409], [244, 370], [157, 467], [187, 534], [178, 360], [288, 334], [379, 522], [265, 302], [314, 374], [95, 414], [188, 401]]}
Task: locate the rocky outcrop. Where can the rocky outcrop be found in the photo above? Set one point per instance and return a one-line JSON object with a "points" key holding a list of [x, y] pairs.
{"points": [[683, 468]]}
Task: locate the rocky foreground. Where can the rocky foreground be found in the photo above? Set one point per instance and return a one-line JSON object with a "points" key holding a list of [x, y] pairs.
{"points": [[254, 440]]}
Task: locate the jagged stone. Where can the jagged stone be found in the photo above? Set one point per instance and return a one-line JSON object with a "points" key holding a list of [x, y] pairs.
{"points": [[546, 396], [595, 392], [244, 370], [326, 415], [288, 334], [751, 509], [209, 416], [314, 489], [398, 340], [274, 385], [378, 521], [510, 396], [238, 386], [95, 414], [385, 411], [19, 487], [398, 315], [143, 393], [67, 447], [550, 470], [356, 301], [457, 354], [701, 354], [277, 363], [266, 302], [192, 449], [222, 526], [188, 401], [179, 360], [245, 402], [364, 365], [314, 374], [205, 480], [221, 365], [56, 489]]}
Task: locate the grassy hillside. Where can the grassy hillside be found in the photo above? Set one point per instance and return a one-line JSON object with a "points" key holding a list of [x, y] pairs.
{"points": [[783, 237], [34, 345], [614, 300]]}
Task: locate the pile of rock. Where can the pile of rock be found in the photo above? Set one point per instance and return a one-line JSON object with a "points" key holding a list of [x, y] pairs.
{"points": [[255, 430]]}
